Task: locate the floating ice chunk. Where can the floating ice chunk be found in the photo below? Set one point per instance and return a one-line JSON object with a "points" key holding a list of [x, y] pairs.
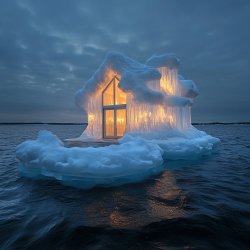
{"points": [[133, 160], [177, 144], [183, 149]]}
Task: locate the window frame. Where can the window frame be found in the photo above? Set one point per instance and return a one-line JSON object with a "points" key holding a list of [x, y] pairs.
{"points": [[114, 107]]}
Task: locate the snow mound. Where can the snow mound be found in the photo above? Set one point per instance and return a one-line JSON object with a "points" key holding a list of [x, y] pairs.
{"points": [[188, 88], [185, 144], [169, 60], [133, 160]]}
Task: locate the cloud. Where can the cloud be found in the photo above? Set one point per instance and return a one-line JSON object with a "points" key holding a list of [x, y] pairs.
{"points": [[42, 42]]}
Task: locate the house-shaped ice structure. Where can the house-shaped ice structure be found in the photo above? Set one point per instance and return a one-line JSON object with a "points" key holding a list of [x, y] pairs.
{"points": [[125, 96], [148, 104]]}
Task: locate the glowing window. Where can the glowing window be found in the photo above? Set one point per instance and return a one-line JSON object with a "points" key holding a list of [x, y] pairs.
{"points": [[120, 122], [114, 110], [109, 123], [120, 96], [108, 94], [113, 95]]}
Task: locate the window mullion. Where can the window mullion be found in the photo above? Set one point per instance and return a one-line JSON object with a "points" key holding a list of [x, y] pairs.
{"points": [[114, 91], [114, 109]]}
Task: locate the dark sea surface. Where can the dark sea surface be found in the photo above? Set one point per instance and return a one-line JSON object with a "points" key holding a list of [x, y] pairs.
{"points": [[202, 204]]}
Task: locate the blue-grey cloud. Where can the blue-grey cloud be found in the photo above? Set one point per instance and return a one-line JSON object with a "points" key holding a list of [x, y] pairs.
{"points": [[49, 48]]}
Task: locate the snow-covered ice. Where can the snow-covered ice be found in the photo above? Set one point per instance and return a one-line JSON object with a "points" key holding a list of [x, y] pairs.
{"points": [[130, 161], [158, 126], [133, 160]]}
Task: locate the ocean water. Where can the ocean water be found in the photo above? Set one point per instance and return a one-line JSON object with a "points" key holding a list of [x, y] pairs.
{"points": [[198, 204]]}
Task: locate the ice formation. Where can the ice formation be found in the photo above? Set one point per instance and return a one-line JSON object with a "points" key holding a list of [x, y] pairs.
{"points": [[133, 160], [156, 96], [151, 107]]}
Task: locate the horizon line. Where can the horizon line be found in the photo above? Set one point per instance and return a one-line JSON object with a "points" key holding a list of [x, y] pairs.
{"points": [[85, 123]]}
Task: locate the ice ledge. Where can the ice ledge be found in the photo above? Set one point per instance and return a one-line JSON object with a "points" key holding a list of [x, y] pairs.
{"points": [[169, 60]]}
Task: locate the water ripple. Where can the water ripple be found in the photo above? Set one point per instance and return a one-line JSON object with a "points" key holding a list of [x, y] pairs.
{"points": [[192, 205]]}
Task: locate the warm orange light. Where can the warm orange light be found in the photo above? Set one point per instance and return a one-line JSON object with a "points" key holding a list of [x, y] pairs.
{"points": [[120, 122], [166, 85], [91, 117], [134, 116], [120, 96], [171, 119], [108, 95], [169, 81], [109, 123], [144, 117], [112, 94]]}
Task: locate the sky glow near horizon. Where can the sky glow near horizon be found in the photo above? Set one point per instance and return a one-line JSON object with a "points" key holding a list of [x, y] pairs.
{"points": [[50, 48]]}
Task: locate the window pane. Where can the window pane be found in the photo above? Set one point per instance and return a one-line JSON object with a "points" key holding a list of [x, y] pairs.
{"points": [[109, 123], [108, 95], [120, 121], [120, 96]]}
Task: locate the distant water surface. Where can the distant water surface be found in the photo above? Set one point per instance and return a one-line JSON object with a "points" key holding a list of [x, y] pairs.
{"points": [[203, 204]]}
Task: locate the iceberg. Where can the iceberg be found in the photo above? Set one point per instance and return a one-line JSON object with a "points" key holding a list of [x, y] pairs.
{"points": [[132, 160], [144, 108]]}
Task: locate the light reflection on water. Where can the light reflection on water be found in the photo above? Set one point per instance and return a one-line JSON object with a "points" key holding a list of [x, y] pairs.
{"points": [[206, 202], [130, 206]]}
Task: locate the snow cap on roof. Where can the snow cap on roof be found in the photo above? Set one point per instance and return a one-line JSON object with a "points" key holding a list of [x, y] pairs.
{"points": [[169, 60], [188, 88], [134, 78]]}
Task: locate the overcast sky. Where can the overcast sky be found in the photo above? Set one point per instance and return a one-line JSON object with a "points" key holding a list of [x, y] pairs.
{"points": [[48, 49]]}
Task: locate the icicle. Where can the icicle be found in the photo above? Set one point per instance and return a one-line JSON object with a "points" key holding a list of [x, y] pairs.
{"points": [[144, 117]]}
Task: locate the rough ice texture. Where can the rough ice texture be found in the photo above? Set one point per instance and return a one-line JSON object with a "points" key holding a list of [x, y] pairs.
{"points": [[169, 60], [158, 106], [130, 161], [134, 77], [133, 160], [155, 96], [188, 88]]}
